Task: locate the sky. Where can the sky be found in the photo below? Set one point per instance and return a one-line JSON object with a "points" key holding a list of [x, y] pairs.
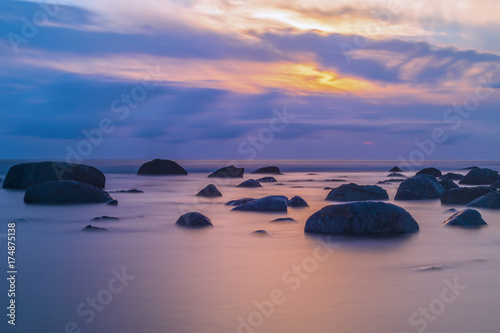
{"points": [[231, 79]]}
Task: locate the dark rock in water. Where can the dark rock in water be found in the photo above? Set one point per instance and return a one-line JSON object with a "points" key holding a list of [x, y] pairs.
{"points": [[354, 192], [91, 228], [250, 183], [448, 184], [389, 181], [280, 184], [490, 200], [274, 203], [239, 202], [272, 170], [395, 174], [106, 218], [334, 180], [451, 210], [284, 219], [113, 203], [210, 191], [471, 168], [453, 176], [65, 192], [127, 191], [228, 172], [297, 187], [480, 177], [261, 233], [466, 218], [24, 175], [422, 186], [464, 195], [396, 169], [362, 218], [297, 202], [311, 174], [430, 171], [194, 220], [496, 184], [301, 180], [160, 167], [267, 180]]}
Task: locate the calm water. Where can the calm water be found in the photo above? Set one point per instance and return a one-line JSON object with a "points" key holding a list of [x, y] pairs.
{"points": [[223, 279]]}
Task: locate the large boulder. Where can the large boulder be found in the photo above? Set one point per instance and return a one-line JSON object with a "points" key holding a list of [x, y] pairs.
{"points": [[65, 192], [250, 183], [466, 218], [297, 202], [464, 195], [24, 175], [362, 218], [430, 171], [448, 184], [453, 176], [409, 195], [160, 167], [273, 203], [354, 192], [423, 186], [490, 200], [272, 170], [194, 220], [210, 191], [479, 176], [228, 172]]}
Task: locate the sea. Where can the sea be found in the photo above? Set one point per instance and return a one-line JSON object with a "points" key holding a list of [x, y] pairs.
{"points": [[147, 275]]}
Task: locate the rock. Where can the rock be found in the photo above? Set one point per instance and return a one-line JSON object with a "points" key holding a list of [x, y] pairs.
{"points": [[112, 203], [451, 210], [490, 200], [194, 220], [389, 181], [466, 218], [261, 233], [91, 228], [65, 192], [284, 219], [362, 218], [160, 167], [272, 170], [250, 183], [396, 169], [353, 192], [127, 191], [274, 203], [430, 171], [280, 184], [297, 202], [471, 168], [210, 191], [395, 174], [106, 218], [422, 186], [453, 176], [464, 195], [311, 174], [448, 184], [479, 176], [334, 180], [301, 180], [239, 202], [228, 172], [24, 175], [297, 187], [267, 180], [496, 184]]}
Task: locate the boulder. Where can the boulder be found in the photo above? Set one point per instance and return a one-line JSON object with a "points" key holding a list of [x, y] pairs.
{"points": [[297, 202], [448, 184], [65, 192], [409, 195], [396, 174], [490, 200], [250, 183], [423, 186], [210, 191], [274, 203], [239, 202], [362, 218], [452, 176], [396, 169], [267, 180], [479, 176], [160, 167], [24, 175], [430, 171], [272, 170], [496, 184], [353, 192], [228, 172], [464, 195], [92, 228], [466, 218], [194, 220]]}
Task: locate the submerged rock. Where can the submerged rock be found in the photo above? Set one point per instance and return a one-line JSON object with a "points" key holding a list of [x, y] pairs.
{"points": [[210, 191], [250, 183], [464, 195], [160, 167], [228, 172], [65, 192], [422, 187], [267, 180], [273, 203], [127, 191], [106, 218], [297, 202], [396, 169], [334, 180], [112, 203], [354, 192], [194, 220], [284, 219], [490, 200], [448, 184], [389, 181], [272, 170], [92, 228], [261, 233], [466, 218], [430, 171], [22, 176], [479, 176], [362, 218], [239, 202], [395, 174]]}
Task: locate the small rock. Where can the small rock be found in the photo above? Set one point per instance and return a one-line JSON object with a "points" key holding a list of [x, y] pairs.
{"points": [[451, 210], [423, 187], [194, 220], [430, 171], [91, 228], [106, 218], [389, 181], [274, 203], [479, 176], [301, 180], [466, 218], [284, 219], [267, 180], [334, 180], [239, 202], [210, 191], [261, 233], [250, 183], [272, 170], [395, 174], [297, 202], [396, 169], [159, 167], [228, 172], [490, 200], [464, 195], [448, 184], [112, 203], [127, 191], [354, 192], [453, 176]]}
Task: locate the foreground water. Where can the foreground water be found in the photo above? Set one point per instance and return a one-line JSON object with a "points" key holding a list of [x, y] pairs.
{"points": [[226, 279]]}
